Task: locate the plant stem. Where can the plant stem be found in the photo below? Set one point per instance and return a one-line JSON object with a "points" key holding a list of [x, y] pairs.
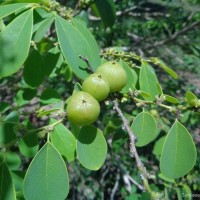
{"points": [[48, 128], [133, 151]]}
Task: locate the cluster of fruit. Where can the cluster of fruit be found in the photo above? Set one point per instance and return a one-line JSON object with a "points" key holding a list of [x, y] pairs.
{"points": [[83, 107]]}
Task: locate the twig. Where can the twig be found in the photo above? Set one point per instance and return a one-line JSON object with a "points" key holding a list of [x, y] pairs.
{"points": [[114, 190], [135, 182], [132, 138], [176, 34], [133, 151], [85, 59]]}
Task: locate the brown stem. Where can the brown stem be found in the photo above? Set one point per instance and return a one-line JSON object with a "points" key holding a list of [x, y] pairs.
{"points": [[132, 137]]}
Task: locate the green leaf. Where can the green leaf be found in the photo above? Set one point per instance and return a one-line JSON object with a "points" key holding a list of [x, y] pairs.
{"points": [[130, 75], [52, 61], [148, 81], [14, 47], [49, 96], [47, 112], [12, 159], [24, 96], [162, 65], [8, 128], [28, 145], [144, 127], [91, 147], [46, 175], [4, 106], [171, 99], [165, 178], [107, 11], [191, 98], [157, 149], [95, 56], [179, 195], [27, 1], [73, 44], [6, 10], [18, 177], [7, 191], [64, 141], [42, 29], [34, 67], [160, 92], [186, 192], [144, 95], [179, 153]]}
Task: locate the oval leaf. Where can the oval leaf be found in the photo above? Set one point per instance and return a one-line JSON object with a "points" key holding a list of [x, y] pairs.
{"points": [[162, 65], [91, 147], [148, 81], [74, 43], [42, 29], [7, 191], [95, 56], [144, 127], [106, 9], [191, 98], [171, 99], [8, 128], [179, 153], [34, 67], [12, 159], [15, 47], [6, 10], [28, 145], [130, 75], [64, 141], [47, 174]]}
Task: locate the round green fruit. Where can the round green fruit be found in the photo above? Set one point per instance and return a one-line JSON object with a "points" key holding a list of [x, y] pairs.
{"points": [[97, 85], [115, 74], [83, 109]]}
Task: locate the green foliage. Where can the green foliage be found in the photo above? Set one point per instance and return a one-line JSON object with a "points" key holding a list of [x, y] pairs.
{"points": [[64, 141], [48, 49], [48, 171], [106, 10], [148, 81], [179, 153], [6, 183], [145, 128], [16, 44], [91, 147]]}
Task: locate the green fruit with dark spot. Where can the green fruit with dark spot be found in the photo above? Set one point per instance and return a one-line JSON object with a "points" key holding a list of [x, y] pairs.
{"points": [[115, 74], [97, 85], [83, 109]]}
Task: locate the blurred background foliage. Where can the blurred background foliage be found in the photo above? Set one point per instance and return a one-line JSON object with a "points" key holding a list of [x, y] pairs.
{"points": [[167, 29]]}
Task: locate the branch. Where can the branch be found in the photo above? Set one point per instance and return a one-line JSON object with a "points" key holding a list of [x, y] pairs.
{"points": [[132, 138], [176, 34], [133, 151]]}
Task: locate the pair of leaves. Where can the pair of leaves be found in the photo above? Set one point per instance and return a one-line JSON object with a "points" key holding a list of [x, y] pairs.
{"points": [[47, 173], [90, 145], [178, 154]]}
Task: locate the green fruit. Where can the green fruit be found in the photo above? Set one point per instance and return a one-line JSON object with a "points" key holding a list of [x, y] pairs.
{"points": [[97, 85], [83, 109], [115, 74]]}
